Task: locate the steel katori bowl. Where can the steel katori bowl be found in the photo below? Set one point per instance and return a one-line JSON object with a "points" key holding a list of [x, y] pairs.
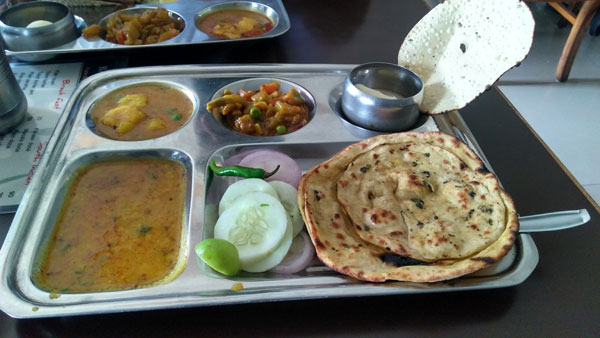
{"points": [[18, 37], [382, 97]]}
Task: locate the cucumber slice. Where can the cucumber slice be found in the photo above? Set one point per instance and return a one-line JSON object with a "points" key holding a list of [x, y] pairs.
{"points": [[243, 187], [255, 223], [288, 196], [275, 257]]}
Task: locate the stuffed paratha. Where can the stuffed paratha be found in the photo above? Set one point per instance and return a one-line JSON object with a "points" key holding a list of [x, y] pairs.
{"points": [[411, 206]]}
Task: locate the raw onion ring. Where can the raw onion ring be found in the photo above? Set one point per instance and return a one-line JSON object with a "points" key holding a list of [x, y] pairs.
{"points": [[298, 257], [289, 171], [235, 159]]}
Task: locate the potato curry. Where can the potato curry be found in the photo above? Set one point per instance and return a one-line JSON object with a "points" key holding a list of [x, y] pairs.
{"points": [[141, 112], [119, 228], [234, 24]]}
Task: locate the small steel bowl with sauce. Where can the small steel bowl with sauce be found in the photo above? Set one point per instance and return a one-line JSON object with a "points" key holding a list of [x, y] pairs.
{"points": [[382, 97]]}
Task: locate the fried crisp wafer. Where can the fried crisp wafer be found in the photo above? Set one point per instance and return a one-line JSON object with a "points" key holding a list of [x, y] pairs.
{"points": [[461, 48]]}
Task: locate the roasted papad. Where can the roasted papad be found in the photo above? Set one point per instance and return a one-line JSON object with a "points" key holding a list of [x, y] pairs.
{"points": [[411, 206], [461, 47]]}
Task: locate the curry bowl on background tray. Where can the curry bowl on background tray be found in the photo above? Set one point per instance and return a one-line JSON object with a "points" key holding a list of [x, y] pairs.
{"points": [[182, 26], [76, 145], [237, 20], [137, 26]]}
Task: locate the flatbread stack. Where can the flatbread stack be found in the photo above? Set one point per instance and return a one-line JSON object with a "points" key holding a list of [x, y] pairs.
{"points": [[414, 207], [461, 48]]}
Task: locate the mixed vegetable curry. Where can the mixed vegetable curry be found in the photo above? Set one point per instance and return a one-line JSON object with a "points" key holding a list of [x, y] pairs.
{"points": [[150, 27], [263, 112]]}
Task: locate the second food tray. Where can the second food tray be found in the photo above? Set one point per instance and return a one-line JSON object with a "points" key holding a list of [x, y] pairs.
{"points": [[187, 14]]}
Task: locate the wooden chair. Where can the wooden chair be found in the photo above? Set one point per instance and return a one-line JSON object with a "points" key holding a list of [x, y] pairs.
{"points": [[580, 21]]}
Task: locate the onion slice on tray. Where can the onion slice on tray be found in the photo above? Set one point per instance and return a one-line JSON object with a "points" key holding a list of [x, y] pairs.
{"points": [[298, 257], [235, 159], [288, 172]]}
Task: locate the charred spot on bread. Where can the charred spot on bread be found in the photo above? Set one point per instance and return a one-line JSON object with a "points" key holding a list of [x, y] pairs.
{"points": [[317, 195], [399, 261], [487, 260], [418, 202], [319, 244]]}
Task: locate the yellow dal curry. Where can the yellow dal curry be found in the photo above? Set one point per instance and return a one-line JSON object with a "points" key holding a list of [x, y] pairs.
{"points": [[119, 228], [141, 112]]}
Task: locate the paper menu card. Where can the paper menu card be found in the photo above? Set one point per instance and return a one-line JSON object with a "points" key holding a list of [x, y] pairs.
{"points": [[47, 88]]}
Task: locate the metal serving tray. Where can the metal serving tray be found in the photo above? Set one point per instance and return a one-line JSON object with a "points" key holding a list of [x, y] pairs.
{"points": [[200, 140], [188, 11]]}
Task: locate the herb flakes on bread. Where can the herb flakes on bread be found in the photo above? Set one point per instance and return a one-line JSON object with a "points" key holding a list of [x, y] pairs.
{"points": [[416, 207]]}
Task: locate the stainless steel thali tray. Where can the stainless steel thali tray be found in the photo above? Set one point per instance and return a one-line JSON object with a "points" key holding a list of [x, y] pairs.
{"points": [[200, 140], [188, 11]]}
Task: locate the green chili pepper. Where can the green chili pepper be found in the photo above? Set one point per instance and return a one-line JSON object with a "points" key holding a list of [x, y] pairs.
{"points": [[176, 117], [237, 170], [255, 112]]}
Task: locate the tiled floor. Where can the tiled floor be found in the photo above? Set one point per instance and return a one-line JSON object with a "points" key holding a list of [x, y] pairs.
{"points": [[565, 115]]}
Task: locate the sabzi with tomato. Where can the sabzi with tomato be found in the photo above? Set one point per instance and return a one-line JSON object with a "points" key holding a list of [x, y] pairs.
{"points": [[263, 112], [150, 27]]}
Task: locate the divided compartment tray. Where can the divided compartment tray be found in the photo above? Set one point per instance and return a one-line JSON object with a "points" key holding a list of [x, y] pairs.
{"points": [[200, 140], [188, 11]]}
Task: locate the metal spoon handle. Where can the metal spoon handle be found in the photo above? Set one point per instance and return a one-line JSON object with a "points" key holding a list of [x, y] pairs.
{"points": [[553, 221]]}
